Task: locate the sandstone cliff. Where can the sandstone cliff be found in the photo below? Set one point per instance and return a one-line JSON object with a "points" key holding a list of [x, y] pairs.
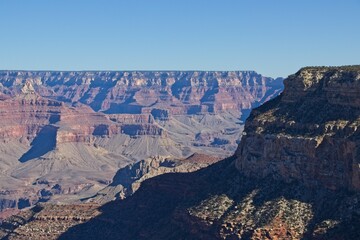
{"points": [[309, 133]]}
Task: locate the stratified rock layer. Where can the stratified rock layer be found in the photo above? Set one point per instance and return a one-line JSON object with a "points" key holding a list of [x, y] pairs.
{"points": [[45, 222], [28, 115], [309, 133], [179, 92]]}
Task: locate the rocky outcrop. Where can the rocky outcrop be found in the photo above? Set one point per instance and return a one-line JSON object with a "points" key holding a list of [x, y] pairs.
{"points": [[141, 129], [309, 133], [46, 221], [28, 115], [131, 118], [7, 203], [128, 179]]}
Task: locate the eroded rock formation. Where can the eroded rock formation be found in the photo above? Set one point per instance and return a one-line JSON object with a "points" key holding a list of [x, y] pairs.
{"points": [[45, 222], [179, 92], [128, 179], [309, 133]]}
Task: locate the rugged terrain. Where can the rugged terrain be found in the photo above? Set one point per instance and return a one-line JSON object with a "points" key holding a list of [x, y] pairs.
{"points": [[64, 135], [302, 194], [47, 221], [176, 92], [311, 133], [128, 179], [219, 202]]}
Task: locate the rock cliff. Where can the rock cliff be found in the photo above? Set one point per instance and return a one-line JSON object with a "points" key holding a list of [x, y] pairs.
{"points": [[309, 133], [28, 115]]}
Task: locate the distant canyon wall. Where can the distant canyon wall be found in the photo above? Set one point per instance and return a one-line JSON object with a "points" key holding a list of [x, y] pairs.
{"points": [[178, 92]]}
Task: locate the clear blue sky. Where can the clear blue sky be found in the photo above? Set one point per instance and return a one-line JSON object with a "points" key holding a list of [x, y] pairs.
{"points": [[273, 37]]}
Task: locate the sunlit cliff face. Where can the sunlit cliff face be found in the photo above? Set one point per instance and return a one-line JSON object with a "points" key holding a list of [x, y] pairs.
{"points": [[310, 132]]}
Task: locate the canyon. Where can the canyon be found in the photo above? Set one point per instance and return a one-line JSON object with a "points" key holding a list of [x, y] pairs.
{"points": [[65, 136], [280, 183]]}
